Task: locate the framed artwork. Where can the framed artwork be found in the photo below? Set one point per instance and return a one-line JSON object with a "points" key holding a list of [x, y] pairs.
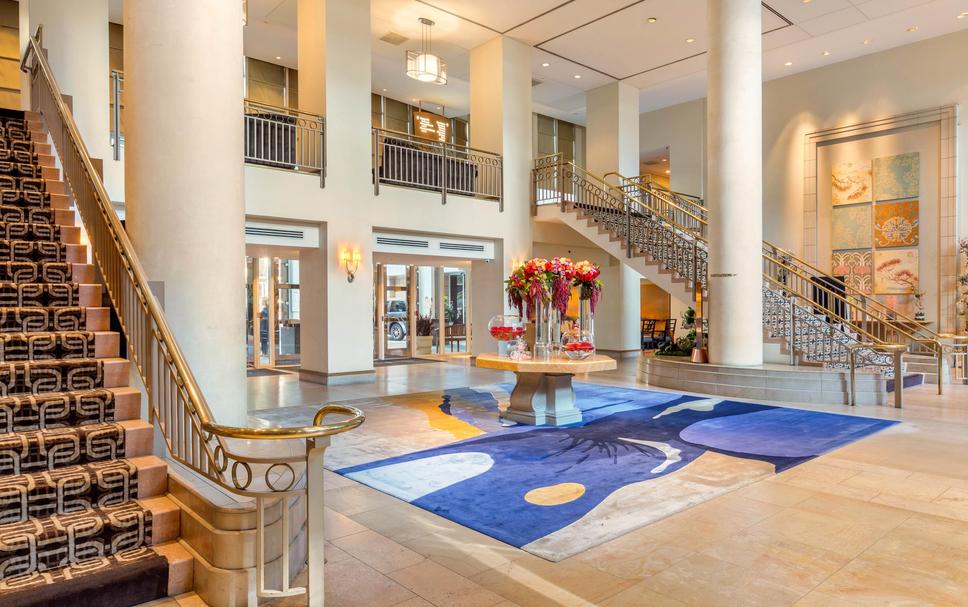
{"points": [[897, 177], [856, 268], [850, 183], [850, 227], [896, 224], [895, 271]]}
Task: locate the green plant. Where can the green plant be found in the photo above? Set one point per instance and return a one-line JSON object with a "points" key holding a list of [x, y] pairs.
{"points": [[425, 326], [684, 345]]}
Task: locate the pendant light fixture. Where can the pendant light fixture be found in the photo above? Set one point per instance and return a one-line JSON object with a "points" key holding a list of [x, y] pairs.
{"points": [[423, 65]]}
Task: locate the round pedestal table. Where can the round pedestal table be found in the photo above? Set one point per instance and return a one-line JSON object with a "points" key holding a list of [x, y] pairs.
{"points": [[543, 394]]}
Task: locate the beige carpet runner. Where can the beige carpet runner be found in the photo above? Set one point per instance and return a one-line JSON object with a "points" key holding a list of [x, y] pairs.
{"points": [[83, 520]]}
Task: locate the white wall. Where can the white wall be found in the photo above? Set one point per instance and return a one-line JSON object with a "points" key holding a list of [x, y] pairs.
{"points": [[681, 128], [919, 76]]}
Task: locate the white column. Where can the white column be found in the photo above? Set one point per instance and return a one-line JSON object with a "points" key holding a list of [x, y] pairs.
{"points": [[184, 180], [501, 122], [76, 38], [735, 195], [333, 45], [613, 145]]}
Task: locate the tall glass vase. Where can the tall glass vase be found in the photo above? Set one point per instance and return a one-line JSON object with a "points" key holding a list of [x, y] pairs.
{"points": [[542, 330], [586, 320]]}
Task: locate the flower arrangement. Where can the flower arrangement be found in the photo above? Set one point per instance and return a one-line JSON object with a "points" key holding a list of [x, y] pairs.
{"points": [[538, 281], [589, 284]]}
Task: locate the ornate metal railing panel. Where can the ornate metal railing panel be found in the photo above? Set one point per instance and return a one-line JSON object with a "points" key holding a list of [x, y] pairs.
{"points": [[285, 138], [236, 458], [670, 229], [406, 160]]}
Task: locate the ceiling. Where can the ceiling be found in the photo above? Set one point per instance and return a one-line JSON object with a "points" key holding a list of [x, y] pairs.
{"points": [[602, 41]]}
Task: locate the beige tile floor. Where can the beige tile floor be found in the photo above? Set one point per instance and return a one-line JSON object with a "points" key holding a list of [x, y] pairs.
{"points": [[883, 521]]}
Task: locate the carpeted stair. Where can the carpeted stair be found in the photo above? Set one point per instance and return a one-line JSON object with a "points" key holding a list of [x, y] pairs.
{"points": [[83, 515]]}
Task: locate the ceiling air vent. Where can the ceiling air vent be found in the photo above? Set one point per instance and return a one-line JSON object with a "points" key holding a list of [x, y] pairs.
{"points": [[461, 246], [394, 38], [274, 232], [402, 242]]}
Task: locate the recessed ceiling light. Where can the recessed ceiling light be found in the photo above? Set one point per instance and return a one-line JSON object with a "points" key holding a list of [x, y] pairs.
{"points": [[545, 64], [665, 160], [788, 63], [384, 90], [278, 57], [806, 1], [963, 15], [867, 41], [577, 76], [826, 53], [651, 19], [667, 171], [414, 100], [690, 40], [913, 28]]}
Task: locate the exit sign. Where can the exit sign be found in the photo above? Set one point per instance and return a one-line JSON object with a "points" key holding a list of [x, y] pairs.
{"points": [[431, 126]]}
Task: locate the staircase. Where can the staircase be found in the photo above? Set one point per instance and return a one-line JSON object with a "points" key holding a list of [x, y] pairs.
{"points": [[815, 318], [84, 518]]}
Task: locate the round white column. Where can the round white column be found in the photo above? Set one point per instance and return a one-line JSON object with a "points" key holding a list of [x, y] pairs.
{"points": [[735, 183], [185, 207]]}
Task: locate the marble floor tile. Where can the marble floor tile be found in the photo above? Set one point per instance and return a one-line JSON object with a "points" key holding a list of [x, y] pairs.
{"points": [[882, 521]]}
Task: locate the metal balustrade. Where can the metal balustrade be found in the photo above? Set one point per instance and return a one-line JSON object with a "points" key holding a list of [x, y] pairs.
{"points": [[285, 138], [405, 160], [814, 317], [117, 105], [272, 466]]}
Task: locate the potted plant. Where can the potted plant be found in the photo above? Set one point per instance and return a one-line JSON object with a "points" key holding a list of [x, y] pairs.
{"points": [[683, 346], [425, 334]]}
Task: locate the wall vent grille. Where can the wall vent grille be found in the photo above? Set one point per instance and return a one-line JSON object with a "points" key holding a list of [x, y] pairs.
{"points": [[403, 242], [274, 232], [459, 246]]}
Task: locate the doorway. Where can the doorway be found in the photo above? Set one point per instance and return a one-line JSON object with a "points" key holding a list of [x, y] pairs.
{"points": [[272, 312], [420, 311]]}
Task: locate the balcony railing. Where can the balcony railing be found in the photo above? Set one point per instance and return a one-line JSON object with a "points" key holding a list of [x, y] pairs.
{"points": [[286, 139], [117, 107], [405, 160]]}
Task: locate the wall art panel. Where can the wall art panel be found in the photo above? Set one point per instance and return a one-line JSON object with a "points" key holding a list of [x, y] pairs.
{"points": [[851, 227], [897, 177], [857, 269], [850, 183], [897, 224], [895, 271]]}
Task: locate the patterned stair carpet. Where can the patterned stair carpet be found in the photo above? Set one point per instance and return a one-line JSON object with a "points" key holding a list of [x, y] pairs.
{"points": [[75, 528]]}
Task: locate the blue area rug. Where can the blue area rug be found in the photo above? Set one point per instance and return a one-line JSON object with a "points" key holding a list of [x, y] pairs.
{"points": [[638, 456]]}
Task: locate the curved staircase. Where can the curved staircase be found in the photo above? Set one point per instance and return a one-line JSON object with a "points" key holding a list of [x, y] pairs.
{"points": [[814, 318], [84, 519]]}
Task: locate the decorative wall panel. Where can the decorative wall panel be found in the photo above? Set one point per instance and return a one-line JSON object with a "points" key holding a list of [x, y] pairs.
{"points": [[857, 269], [895, 271], [896, 224], [897, 177], [851, 227], [851, 183]]}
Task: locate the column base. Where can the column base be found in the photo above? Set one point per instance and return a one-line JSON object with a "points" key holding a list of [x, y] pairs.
{"points": [[540, 399], [337, 379]]}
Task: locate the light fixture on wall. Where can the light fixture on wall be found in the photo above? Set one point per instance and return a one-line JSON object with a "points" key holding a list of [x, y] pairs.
{"points": [[423, 65], [351, 261]]}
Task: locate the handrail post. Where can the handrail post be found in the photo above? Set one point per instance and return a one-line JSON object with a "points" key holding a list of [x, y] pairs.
{"points": [[315, 517], [940, 351], [793, 331], [116, 118], [851, 359], [628, 229], [561, 182], [376, 162], [322, 152], [443, 173], [898, 379]]}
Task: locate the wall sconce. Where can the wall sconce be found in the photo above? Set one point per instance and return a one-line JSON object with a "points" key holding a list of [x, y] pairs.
{"points": [[351, 261]]}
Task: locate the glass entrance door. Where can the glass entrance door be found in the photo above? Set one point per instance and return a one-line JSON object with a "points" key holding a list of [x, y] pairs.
{"points": [[272, 312], [397, 322]]}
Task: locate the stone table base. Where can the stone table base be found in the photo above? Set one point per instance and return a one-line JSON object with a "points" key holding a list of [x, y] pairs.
{"points": [[543, 398]]}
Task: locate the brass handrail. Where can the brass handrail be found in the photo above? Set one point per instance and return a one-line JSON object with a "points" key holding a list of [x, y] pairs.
{"points": [[930, 340], [176, 404]]}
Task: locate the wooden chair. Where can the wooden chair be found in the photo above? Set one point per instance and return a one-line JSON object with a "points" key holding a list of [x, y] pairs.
{"points": [[455, 335], [647, 329]]}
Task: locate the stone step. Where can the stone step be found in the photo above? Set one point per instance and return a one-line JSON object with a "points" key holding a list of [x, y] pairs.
{"points": [[76, 488], [39, 251], [16, 347], [54, 319], [38, 377], [26, 413], [54, 448], [181, 567], [49, 295]]}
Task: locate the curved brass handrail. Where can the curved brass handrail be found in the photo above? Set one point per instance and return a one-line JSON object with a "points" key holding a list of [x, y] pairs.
{"points": [[316, 430]]}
